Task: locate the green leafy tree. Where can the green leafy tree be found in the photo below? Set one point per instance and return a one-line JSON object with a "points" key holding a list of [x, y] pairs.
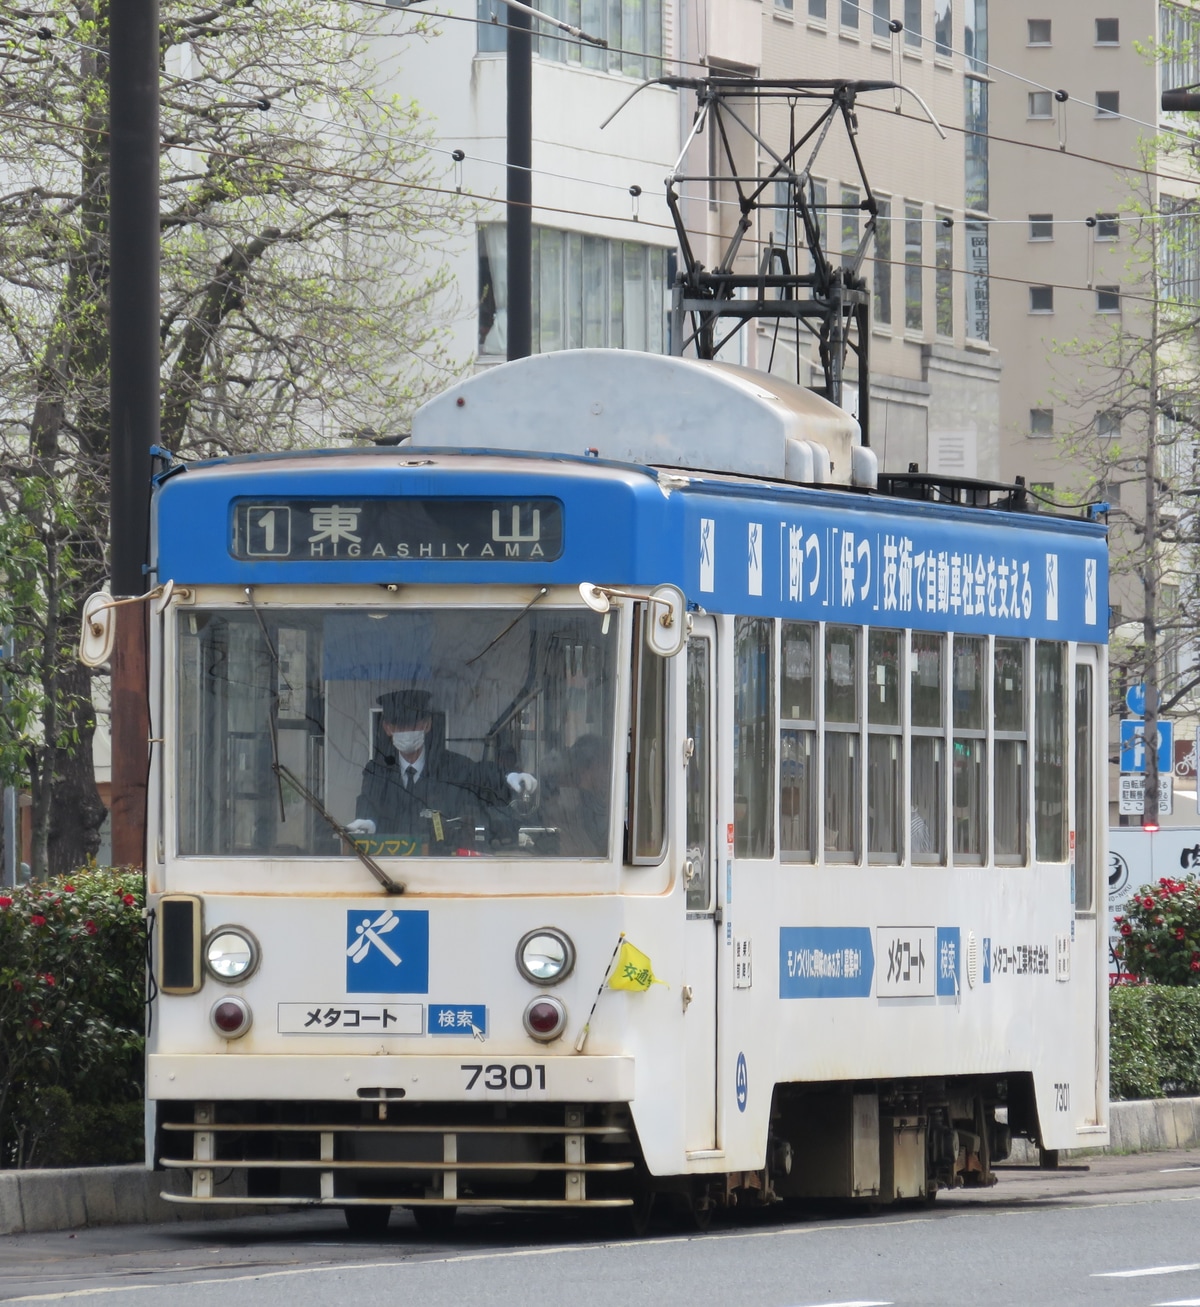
{"points": [[302, 298]]}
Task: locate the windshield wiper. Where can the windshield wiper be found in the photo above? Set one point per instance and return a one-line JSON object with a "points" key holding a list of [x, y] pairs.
{"points": [[280, 771], [283, 773], [541, 594]]}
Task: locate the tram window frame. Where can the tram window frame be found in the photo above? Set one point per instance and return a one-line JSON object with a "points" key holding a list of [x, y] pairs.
{"points": [[927, 736], [1010, 747], [1050, 751], [648, 775], [969, 743], [885, 742], [842, 733], [798, 747], [754, 729]]}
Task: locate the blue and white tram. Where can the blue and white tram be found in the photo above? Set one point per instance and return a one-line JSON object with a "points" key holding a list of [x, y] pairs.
{"points": [[815, 771]]}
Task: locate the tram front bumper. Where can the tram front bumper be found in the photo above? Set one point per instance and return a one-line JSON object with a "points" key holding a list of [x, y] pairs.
{"points": [[476, 1077]]}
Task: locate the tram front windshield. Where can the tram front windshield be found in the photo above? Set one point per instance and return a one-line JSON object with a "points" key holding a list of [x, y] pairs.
{"points": [[503, 745]]}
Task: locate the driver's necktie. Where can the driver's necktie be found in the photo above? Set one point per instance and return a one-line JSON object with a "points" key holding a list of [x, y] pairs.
{"points": [[410, 775]]}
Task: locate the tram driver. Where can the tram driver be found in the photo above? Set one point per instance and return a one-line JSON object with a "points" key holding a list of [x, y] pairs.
{"points": [[420, 789]]}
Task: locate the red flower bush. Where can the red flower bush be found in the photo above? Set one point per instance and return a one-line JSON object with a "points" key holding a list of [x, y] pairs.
{"points": [[1160, 932], [72, 966]]}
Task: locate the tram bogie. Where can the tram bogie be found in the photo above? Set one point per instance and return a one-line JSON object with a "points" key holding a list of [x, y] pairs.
{"points": [[483, 873]]}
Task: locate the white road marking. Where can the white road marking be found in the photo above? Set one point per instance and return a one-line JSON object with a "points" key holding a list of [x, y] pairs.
{"points": [[1174, 1170], [1180, 1302], [858, 1302], [1148, 1270]]}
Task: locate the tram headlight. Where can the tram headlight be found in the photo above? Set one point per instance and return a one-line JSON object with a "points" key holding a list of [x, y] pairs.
{"points": [[545, 956], [231, 954]]}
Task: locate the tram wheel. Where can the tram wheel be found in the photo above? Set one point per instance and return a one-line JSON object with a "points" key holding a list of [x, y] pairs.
{"points": [[372, 1220], [639, 1215], [436, 1222], [700, 1211]]}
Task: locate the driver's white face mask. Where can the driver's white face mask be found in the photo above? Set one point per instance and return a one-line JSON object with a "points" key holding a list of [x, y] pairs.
{"points": [[408, 741]]}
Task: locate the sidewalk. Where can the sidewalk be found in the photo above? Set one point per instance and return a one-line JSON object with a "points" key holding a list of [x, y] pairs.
{"points": [[33, 1201]]}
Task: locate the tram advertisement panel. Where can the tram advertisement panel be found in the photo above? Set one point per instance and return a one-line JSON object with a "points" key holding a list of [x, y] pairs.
{"points": [[1007, 576]]}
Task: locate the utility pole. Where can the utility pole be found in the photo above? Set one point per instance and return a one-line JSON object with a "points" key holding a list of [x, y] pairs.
{"points": [[133, 395], [1150, 568], [519, 197]]}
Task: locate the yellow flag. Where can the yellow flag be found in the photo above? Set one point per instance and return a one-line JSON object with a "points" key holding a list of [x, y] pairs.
{"points": [[632, 970]]}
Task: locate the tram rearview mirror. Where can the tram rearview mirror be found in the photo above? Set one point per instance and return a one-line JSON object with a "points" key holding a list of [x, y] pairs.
{"points": [[97, 630], [666, 630], [595, 598]]}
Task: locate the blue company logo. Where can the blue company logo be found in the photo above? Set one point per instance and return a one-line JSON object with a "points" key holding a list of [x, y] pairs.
{"points": [[949, 961], [741, 1080], [387, 952], [987, 959], [825, 962], [458, 1019]]}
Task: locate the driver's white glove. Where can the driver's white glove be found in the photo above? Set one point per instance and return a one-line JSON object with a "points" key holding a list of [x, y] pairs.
{"points": [[522, 782], [360, 826]]}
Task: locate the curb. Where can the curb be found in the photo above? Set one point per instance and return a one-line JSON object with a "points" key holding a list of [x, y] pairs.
{"points": [[68, 1199], [36, 1201]]}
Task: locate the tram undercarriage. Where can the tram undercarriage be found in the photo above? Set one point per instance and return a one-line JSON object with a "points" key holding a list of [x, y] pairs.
{"points": [[877, 1144]]}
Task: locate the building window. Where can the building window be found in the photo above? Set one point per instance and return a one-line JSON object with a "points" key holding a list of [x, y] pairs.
{"points": [[1179, 249], [881, 15], [1108, 228], [1041, 422], [1108, 104], [913, 271], [850, 15], [1011, 747], [882, 265], [943, 275], [843, 784], [884, 746], [976, 140], [927, 748], [754, 738], [633, 30], [784, 227], [818, 200], [978, 299], [975, 35], [912, 23], [797, 743], [1108, 31], [1041, 299], [1041, 226], [1038, 30], [816, 9], [1108, 422], [1178, 46], [586, 291], [1041, 104], [943, 37], [785, 5], [1108, 299]]}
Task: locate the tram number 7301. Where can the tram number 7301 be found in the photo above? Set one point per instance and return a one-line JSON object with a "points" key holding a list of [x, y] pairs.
{"points": [[1062, 1096], [496, 1076]]}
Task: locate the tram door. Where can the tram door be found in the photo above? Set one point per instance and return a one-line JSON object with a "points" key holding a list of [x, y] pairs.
{"points": [[1091, 918], [700, 933]]}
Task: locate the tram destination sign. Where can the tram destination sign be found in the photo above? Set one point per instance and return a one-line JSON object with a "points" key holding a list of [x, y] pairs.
{"points": [[449, 530]]}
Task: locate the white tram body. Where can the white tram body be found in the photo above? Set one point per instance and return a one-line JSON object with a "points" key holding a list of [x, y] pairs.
{"points": [[846, 798]]}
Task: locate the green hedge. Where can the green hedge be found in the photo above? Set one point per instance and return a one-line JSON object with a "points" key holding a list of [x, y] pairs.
{"points": [[1154, 1041], [72, 969]]}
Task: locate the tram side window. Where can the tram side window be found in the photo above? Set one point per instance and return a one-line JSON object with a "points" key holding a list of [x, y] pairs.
{"points": [[797, 743], [1010, 762], [754, 738], [970, 748], [884, 741], [843, 785], [648, 776], [927, 748], [1049, 752]]}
